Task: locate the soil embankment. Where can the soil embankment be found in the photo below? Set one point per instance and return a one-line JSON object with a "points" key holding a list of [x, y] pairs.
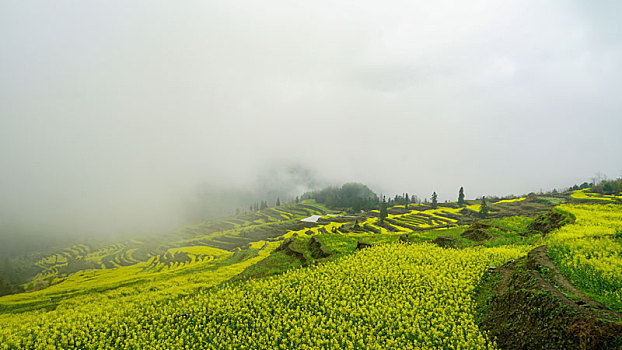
{"points": [[529, 304]]}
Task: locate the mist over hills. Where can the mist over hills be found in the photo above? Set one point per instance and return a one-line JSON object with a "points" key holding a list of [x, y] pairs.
{"points": [[36, 229], [284, 182], [115, 120]]}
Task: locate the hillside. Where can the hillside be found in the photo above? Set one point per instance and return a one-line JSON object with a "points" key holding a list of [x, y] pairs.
{"points": [[422, 278]]}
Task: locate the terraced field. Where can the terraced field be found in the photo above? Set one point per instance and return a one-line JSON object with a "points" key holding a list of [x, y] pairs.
{"points": [[225, 234], [222, 237], [586, 195], [269, 280], [351, 303]]}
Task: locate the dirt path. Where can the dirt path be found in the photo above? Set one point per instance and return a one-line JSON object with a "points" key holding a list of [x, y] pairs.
{"points": [[584, 306], [505, 270]]}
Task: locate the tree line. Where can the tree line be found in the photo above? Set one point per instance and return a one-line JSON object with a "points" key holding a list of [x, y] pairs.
{"points": [[356, 197], [350, 195]]}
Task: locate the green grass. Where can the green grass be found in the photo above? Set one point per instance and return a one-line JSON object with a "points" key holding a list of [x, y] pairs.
{"points": [[553, 200], [276, 263], [513, 223]]}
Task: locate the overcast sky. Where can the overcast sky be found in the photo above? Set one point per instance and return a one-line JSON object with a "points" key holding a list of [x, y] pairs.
{"points": [[111, 111]]}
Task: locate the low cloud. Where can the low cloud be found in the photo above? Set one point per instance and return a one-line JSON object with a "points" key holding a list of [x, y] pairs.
{"points": [[112, 115]]}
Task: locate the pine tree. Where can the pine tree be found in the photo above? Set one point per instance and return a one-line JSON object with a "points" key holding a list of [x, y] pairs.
{"points": [[278, 201], [461, 197], [383, 211], [434, 201], [483, 210]]}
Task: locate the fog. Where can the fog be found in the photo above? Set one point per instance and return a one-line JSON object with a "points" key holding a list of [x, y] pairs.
{"points": [[121, 116]]}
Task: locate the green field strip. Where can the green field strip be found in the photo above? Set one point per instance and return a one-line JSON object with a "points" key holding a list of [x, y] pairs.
{"points": [[286, 214]]}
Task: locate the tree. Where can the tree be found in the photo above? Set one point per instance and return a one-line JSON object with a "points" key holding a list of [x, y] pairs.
{"points": [[461, 196], [608, 188], [278, 201], [297, 199], [483, 210], [383, 211], [434, 201], [263, 205], [415, 199]]}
